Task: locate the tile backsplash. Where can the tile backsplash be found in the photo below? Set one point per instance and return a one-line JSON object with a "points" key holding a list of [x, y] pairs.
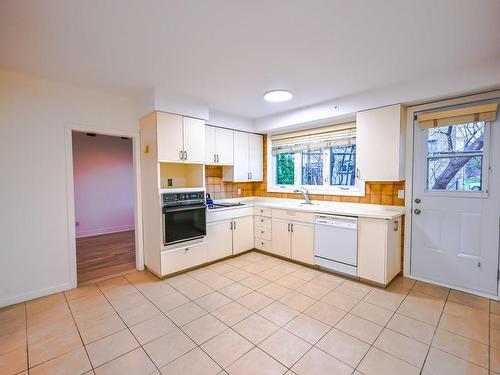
{"points": [[385, 193]]}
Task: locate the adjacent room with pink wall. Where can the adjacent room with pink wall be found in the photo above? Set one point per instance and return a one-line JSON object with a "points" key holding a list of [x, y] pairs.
{"points": [[103, 180]]}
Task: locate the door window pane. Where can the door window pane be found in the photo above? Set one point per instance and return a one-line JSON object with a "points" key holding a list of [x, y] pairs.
{"points": [[455, 157], [462, 173], [285, 169], [456, 139], [343, 165], [312, 167]]}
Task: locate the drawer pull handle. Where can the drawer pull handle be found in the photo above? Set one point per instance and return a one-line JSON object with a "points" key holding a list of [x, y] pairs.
{"points": [[262, 232]]}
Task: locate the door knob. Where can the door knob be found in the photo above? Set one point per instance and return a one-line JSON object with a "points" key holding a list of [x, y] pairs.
{"points": [[417, 211]]}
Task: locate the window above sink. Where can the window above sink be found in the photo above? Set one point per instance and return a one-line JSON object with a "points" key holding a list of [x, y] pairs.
{"points": [[323, 160]]}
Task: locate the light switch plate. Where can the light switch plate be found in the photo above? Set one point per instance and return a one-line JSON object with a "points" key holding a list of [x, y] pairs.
{"points": [[238, 191], [401, 194]]}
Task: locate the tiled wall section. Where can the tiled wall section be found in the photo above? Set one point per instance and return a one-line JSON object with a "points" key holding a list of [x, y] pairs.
{"points": [[385, 193], [222, 190]]}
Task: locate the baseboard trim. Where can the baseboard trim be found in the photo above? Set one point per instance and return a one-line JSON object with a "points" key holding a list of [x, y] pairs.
{"points": [[97, 232], [34, 294]]}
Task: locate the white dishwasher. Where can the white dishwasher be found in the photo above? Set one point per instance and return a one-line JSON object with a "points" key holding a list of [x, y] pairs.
{"points": [[336, 243]]}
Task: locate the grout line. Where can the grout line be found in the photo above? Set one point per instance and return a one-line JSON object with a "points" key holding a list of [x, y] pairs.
{"points": [[243, 267], [27, 341], [127, 327], [78, 330]]}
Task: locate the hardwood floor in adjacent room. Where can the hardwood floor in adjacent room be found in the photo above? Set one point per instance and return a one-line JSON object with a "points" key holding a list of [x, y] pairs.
{"points": [[105, 255]]}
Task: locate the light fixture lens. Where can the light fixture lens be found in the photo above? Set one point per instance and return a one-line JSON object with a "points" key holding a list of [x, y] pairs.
{"points": [[277, 96]]}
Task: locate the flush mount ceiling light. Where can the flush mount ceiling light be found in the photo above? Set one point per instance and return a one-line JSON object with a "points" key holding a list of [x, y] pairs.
{"points": [[277, 96]]}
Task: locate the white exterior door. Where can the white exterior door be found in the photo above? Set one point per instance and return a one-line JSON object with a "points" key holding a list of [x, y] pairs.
{"points": [[456, 205], [194, 140]]}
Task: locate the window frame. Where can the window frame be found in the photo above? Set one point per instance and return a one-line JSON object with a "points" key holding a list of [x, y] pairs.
{"points": [[484, 193], [357, 190]]}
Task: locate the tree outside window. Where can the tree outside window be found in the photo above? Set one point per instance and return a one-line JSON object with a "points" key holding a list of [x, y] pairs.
{"points": [[455, 157]]}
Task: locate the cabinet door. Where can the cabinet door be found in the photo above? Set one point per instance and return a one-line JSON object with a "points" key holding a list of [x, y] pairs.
{"points": [[220, 240], [372, 243], [194, 139], [393, 249], [224, 146], [210, 144], [241, 171], [281, 238], [303, 242], [169, 135], [243, 235], [379, 144], [255, 150]]}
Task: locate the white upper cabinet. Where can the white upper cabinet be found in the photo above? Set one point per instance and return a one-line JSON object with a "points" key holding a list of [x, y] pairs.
{"points": [[255, 150], [180, 139], [210, 153], [169, 137], [248, 158], [380, 140], [218, 146], [194, 140], [224, 146]]}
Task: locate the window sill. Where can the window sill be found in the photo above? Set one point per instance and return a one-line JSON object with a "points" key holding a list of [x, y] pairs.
{"points": [[351, 193]]}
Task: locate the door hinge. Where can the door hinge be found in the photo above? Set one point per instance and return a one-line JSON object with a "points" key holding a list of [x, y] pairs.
{"points": [[498, 275]]}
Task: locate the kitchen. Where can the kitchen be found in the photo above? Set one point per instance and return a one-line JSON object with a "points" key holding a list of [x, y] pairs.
{"points": [[308, 187]]}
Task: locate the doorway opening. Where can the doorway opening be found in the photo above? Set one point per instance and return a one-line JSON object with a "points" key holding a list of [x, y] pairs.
{"points": [[104, 201]]}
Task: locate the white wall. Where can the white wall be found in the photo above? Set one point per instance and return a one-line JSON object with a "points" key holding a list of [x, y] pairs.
{"points": [[227, 120], [475, 78], [34, 116], [103, 171]]}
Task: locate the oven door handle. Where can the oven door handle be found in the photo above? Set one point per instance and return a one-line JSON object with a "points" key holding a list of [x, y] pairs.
{"points": [[184, 208]]}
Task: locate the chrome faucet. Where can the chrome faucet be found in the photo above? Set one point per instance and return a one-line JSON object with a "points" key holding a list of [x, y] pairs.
{"points": [[305, 192]]}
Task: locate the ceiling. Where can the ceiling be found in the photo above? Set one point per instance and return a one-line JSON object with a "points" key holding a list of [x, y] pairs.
{"points": [[227, 53]]}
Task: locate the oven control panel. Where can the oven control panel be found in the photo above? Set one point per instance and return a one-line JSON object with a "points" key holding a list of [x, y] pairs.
{"points": [[183, 198]]}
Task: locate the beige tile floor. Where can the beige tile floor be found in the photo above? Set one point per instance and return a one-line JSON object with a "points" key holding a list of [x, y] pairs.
{"points": [[252, 314]]}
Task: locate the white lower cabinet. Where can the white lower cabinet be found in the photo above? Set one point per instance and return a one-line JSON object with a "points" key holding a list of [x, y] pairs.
{"points": [[281, 238], [183, 258], [243, 234], [303, 242], [220, 240], [379, 249], [293, 240]]}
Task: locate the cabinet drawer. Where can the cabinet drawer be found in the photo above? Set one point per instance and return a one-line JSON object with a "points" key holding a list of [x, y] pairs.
{"points": [[262, 222], [291, 215], [263, 234], [264, 245], [261, 211], [183, 258]]}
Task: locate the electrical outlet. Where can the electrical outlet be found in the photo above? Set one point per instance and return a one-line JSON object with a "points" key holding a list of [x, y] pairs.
{"points": [[238, 191], [401, 194]]}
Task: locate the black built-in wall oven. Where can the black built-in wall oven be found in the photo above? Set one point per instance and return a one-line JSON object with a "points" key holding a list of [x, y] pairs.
{"points": [[184, 216]]}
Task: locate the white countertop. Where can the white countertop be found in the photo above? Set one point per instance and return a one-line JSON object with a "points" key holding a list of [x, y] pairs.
{"points": [[376, 211]]}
